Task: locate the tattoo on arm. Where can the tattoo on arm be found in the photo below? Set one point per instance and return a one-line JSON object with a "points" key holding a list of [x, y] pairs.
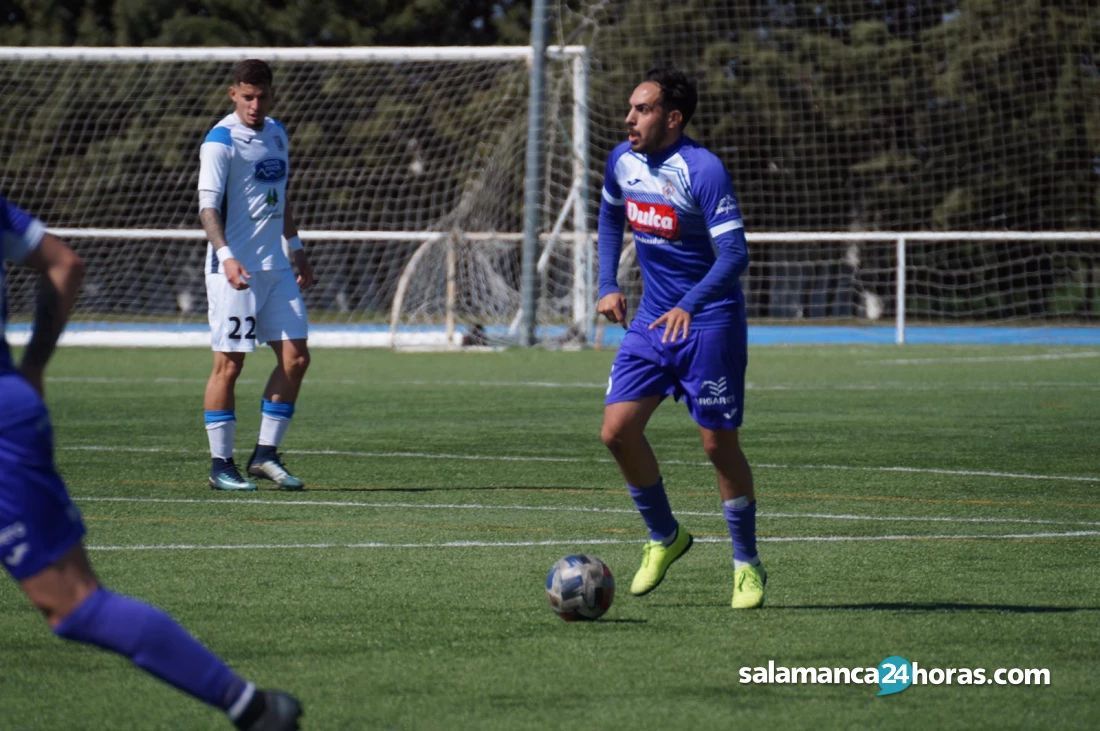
{"points": [[212, 224]]}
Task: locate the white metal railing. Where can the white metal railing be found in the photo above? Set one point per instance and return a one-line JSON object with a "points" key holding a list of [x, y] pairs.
{"points": [[902, 238], [584, 284]]}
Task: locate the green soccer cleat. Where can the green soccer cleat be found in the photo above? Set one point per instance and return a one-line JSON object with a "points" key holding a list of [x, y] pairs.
{"points": [[229, 478], [748, 587], [272, 468], [656, 558]]}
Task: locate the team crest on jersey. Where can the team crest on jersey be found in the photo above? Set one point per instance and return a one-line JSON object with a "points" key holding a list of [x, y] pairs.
{"points": [[658, 219], [271, 170]]}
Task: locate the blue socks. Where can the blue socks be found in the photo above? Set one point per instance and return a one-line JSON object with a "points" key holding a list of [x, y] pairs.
{"points": [[652, 503], [741, 520], [156, 643]]}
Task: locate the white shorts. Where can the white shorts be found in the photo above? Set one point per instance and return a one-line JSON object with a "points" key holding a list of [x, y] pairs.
{"points": [[270, 309]]}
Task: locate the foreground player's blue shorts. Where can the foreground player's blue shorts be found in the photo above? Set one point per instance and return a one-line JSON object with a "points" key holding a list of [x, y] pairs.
{"points": [[38, 521], [706, 369]]}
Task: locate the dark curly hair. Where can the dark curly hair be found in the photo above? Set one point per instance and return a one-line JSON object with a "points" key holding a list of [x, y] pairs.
{"points": [[677, 90]]}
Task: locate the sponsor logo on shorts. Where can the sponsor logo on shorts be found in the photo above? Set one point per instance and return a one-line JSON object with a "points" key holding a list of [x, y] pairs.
{"points": [[714, 395]]}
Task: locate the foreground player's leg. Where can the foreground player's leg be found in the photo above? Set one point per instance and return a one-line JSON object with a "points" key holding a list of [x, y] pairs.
{"points": [[623, 433], [78, 609], [735, 485], [276, 411], [221, 422]]}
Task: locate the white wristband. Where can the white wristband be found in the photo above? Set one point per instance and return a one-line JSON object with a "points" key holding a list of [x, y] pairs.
{"points": [[294, 243], [224, 253]]}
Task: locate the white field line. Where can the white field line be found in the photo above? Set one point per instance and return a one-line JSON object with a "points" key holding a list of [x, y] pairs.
{"points": [[988, 358], [567, 509], [574, 542], [578, 460], [797, 387], [855, 387], [931, 471], [991, 385]]}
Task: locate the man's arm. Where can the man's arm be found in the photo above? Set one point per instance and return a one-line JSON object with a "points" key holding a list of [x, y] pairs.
{"points": [[612, 225], [732, 260], [62, 271], [211, 220], [713, 190], [214, 158], [306, 278]]}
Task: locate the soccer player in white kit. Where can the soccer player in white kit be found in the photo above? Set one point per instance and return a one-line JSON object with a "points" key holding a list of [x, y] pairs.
{"points": [[252, 292]]}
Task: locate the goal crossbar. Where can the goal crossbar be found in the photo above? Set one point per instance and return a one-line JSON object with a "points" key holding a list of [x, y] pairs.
{"points": [[363, 53], [762, 237]]}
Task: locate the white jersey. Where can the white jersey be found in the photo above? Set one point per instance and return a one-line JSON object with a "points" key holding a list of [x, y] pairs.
{"points": [[246, 171]]}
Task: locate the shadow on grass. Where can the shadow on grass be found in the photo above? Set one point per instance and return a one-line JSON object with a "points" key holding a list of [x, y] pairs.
{"points": [[937, 607], [456, 488]]}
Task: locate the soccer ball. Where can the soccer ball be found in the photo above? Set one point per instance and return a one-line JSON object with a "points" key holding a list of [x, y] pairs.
{"points": [[580, 587]]}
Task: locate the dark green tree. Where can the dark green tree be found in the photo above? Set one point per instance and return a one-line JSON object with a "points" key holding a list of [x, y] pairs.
{"points": [[261, 22]]}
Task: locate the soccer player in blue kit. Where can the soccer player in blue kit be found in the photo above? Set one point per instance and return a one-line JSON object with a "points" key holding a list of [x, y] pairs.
{"points": [[41, 530], [688, 339]]}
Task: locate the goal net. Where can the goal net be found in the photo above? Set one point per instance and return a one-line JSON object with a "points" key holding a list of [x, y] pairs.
{"points": [[973, 120], [407, 176]]}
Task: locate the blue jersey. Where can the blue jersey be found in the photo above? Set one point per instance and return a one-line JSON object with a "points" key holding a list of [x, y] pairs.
{"points": [[688, 233], [20, 233], [38, 521]]}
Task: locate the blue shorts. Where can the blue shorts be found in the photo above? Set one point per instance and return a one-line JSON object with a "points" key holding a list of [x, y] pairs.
{"points": [[38, 520], [706, 369]]}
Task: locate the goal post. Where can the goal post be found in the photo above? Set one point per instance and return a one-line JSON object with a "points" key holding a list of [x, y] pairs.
{"points": [[892, 165], [406, 176]]}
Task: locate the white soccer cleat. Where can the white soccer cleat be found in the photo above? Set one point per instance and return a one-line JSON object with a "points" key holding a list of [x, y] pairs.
{"points": [[272, 468]]}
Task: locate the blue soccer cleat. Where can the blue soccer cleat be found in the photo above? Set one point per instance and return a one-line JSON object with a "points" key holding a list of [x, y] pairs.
{"points": [[228, 478], [281, 712]]}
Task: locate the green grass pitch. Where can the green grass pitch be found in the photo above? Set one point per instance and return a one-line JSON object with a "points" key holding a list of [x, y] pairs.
{"points": [[938, 503]]}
